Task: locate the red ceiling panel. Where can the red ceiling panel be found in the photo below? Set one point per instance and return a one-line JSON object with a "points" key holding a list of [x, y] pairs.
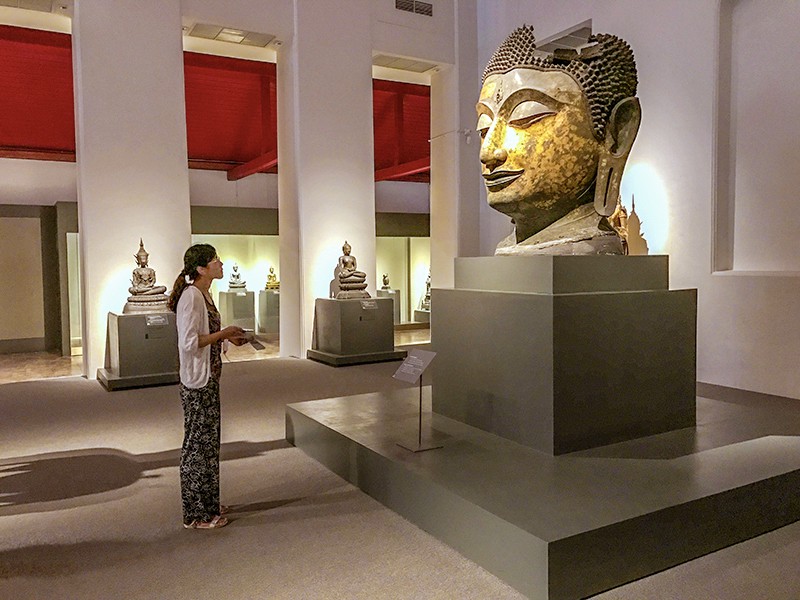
{"points": [[36, 103], [230, 108], [231, 115]]}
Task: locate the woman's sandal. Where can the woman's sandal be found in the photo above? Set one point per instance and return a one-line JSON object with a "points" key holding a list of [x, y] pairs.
{"points": [[214, 523]]}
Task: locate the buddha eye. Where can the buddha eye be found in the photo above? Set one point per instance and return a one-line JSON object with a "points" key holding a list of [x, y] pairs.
{"points": [[484, 122], [527, 113]]}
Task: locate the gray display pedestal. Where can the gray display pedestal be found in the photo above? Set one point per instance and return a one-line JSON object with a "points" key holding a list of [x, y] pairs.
{"points": [[348, 332], [565, 353], [269, 311], [238, 308], [422, 316], [395, 296], [141, 349]]}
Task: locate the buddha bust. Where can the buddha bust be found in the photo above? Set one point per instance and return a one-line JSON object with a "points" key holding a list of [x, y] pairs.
{"points": [[145, 296], [352, 282], [235, 282], [272, 280], [556, 131]]}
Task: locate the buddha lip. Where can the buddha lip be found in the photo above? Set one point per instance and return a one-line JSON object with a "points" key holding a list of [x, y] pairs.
{"points": [[500, 179]]}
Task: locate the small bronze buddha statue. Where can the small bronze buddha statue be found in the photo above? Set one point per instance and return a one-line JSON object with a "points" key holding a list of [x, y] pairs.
{"points": [[235, 282], [352, 282], [145, 296]]}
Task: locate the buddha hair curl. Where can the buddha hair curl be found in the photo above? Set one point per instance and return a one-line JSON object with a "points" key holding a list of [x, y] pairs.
{"points": [[605, 70], [198, 255]]}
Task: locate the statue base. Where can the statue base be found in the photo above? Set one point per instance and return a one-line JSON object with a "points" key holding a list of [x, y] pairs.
{"points": [[269, 311], [352, 294], [238, 308], [566, 352], [141, 350], [156, 303], [395, 296], [349, 332]]}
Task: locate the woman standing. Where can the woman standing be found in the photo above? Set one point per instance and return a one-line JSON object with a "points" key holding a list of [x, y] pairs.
{"points": [[199, 351]]}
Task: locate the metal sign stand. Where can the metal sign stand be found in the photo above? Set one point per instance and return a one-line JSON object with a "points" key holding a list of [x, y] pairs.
{"points": [[422, 362]]}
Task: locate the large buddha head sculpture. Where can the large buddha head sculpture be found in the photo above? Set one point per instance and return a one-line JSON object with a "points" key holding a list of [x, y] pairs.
{"points": [[556, 131]]}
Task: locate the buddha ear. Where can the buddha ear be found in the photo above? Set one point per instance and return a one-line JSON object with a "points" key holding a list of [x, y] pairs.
{"points": [[623, 125]]}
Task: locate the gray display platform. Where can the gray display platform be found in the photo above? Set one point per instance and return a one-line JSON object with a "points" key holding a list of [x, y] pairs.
{"points": [[141, 350], [395, 296], [355, 331], [568, 527], [238, 308], [571, 369], [269, 311]]}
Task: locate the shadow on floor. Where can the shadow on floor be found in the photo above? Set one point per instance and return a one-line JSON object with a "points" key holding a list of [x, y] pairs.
{"points": [[65, 475]]}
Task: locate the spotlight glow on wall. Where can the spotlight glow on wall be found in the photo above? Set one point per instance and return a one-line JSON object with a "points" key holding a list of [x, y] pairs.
{"points": [[643, 184]]}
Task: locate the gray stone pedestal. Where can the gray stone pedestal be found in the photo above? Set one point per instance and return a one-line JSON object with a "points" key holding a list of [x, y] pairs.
{"points": [[422, 316], [565, 353], [348, 332], [238, 308], [269, 311], [395, 296], [141, 349]]}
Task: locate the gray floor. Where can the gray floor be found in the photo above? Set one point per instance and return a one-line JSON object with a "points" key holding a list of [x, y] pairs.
{"points": [[89, 506]]}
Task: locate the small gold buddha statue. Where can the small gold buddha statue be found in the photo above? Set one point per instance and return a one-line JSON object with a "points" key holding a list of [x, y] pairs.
{"points": [[272, 280]]}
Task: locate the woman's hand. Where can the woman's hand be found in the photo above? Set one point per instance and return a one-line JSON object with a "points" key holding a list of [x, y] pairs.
{"points": [[235, 334]]}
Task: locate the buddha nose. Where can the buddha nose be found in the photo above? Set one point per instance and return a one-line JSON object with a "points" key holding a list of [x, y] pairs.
{"points": [[494, 158]]}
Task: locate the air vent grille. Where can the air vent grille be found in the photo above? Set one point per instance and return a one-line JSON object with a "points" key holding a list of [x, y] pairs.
{"points": [[413, 6]]}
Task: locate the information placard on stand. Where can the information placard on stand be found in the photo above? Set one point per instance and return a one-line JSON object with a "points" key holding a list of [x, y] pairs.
{"points": [[411, 372]]}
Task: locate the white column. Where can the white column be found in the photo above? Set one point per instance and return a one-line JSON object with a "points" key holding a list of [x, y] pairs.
{"points": [[455, 168], [326, 189], [131, 152]]}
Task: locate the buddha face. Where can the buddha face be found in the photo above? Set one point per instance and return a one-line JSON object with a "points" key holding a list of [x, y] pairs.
{"points": [[538, 152]]}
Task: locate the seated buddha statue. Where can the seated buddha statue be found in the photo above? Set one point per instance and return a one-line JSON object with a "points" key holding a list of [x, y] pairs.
{"points": [[352, 282], [386, 285], [272, 280], [235, 282], [556, 131], [145, 296]]}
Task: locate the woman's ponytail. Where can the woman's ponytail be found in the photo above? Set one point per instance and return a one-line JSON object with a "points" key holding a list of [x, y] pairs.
{"points": [[177, 289]]}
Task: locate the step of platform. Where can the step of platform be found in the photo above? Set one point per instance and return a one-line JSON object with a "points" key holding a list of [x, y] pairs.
{"points": [[569, 526]]}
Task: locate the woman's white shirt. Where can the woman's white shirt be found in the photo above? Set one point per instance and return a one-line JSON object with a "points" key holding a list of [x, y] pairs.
{"points": [[191, 318]]}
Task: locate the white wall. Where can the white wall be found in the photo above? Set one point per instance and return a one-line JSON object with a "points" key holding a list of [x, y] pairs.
{"points": [[212, 188], [43, 183], [765, 122], [131, 151], [37, 182], [748, 333]]}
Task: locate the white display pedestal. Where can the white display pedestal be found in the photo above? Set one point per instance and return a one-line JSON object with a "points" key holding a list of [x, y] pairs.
{"points": [[395, 296], [141, 350], [422, 316], [269, 311], [238, 308]]}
